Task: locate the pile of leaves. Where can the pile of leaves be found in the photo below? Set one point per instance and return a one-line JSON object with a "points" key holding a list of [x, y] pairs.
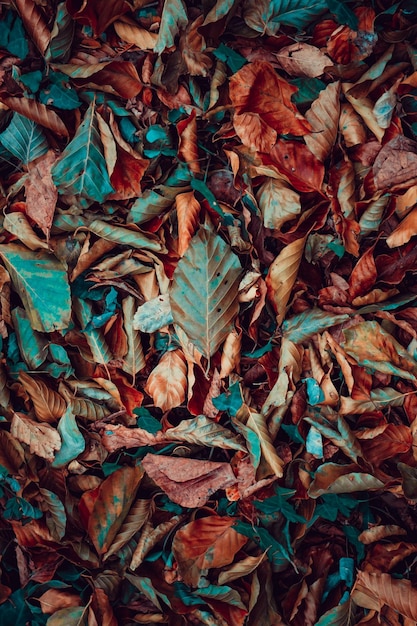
{"points": [[208, 321]]}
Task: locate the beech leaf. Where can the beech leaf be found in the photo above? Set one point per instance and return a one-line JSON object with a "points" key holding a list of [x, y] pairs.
{"points": [[167, 383], [204, 291], [42, 439]]}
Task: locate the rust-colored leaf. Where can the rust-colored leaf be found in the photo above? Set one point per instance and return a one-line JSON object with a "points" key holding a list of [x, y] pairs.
{"points": [[35, 23], [37, 112], [324, 119], [373, 590], [41, 193], [263, 106], [205, 543], [188, 209]]}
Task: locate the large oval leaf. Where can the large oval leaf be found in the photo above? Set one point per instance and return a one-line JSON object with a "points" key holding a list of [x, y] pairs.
{"points": [[204, 291]]}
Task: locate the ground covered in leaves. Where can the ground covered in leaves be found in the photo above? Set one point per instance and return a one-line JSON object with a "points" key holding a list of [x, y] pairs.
{"points": [[208, 313]]}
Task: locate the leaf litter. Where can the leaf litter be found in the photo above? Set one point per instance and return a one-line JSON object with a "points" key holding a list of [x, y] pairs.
{"points": [[208, 322]]}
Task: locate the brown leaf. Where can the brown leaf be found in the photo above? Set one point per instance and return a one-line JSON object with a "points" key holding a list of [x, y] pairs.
{"points": [[192, 46], [42, 439], [188, 210], [116, 77], [406, 229], [324, 119], [96, 14], [363, 275], [187, 146], [373, 590], [130, 32], [302, 59], [102, 609], [12, 455], [188, 482], [34, 23], [282, 275], [263, 106], [395, 164], [351, 126], [209, 542], [298, 164], [54, 599], [167, 383], [48, 404], [36, 112], [41, 193]]}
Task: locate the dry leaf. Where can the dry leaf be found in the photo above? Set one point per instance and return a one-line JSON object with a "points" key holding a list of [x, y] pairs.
{"points": [[42, 439], [167, 383]]}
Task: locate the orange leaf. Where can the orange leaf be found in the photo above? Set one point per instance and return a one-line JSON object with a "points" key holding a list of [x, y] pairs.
{"points": [[263, 106], [116, 77], [205, 543], [298, 164], [282, 275], [188, 482], [406, 229], [188, 210], [41, 193], [363, 275], [373, 590], [187, 147], [54, 599], [167, 383]]}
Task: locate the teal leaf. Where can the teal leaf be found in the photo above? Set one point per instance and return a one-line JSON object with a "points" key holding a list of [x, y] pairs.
{"points": [[173, 19], [13, 36], [59, 93], [62, 34], [330, 505], [233, 59], [81, 169], [21, 510], [343, 614], [42, 284], [311, 321], [200, 185], [72, 440], [32, 80], [308, 90], [204, 291], [314, 443], [279, 504], [126, 236], [230, 400], [32, 345], [267, 17], [24, 139], [56, 517], [343, 13], [315, 393], [276, 553], [98, 346], [147, 421]]}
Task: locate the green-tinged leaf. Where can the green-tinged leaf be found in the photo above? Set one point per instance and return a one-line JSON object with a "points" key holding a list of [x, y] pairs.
{"points": [[59, 93], [267, 17], [374, 348], [379, 399], [174, 18], [409, 480], [222, 593], [333, 478], [81, 169], [56, 517], [72, 440], [340, 615], [388, 305], [278, 504], [151, 204], [336, 429], [311, 321], [32, 80], [115, 497], [308, 90], [343, 13], [133, 522], [133, 360], [146, 587], [372, 216], [95, 338], [275, 551], [257, 423], [20, 510], [62, 34], [278, 203], [12, 35], [71, 616], [24, 139], [32, 345], [204, 291], [330, 505], [126, 236], [42, 284], [229, 56], [315, 394], [200, 185]]}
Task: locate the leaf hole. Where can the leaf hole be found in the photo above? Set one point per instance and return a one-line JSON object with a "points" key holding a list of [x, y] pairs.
{"points": [[218, 310]]}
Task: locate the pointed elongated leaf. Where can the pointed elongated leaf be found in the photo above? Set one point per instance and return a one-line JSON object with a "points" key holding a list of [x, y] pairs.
{"points": [[188, 209], [24, 139], [61, 35], [204, 291], [324, 118], [34, 23], [42, 283], [126, 236], [98, 346], [174, 17], [282, 274], [81, 169], [265, 16], [37, 112], [372, 590], [32, 345], [340, 615], [134, 520], [278, 202], [134, 360], [18, 225], [56, 519]]}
